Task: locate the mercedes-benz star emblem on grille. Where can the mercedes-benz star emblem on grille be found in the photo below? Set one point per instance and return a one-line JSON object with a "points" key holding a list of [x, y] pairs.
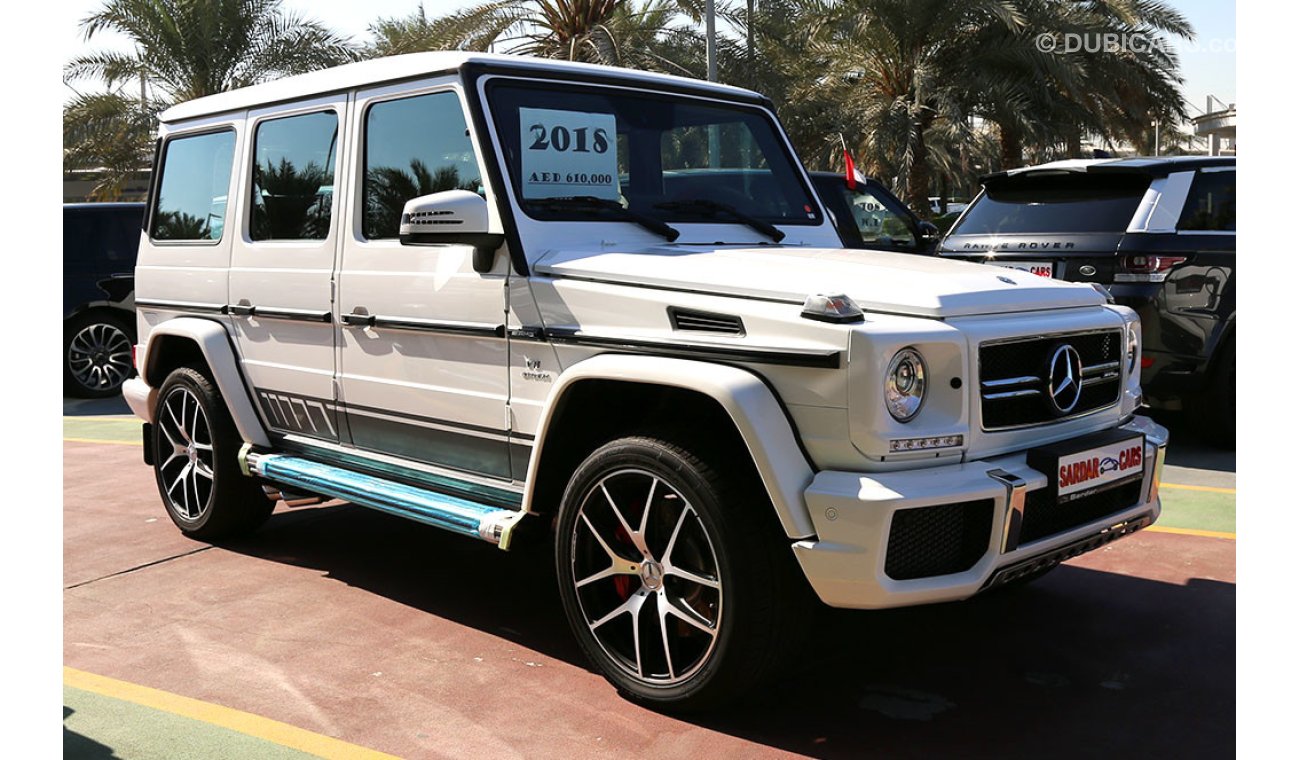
{"points": [[1065, 378]]}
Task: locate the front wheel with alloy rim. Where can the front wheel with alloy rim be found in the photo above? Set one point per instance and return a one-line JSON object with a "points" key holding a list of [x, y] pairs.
{"points": [[670, 575], [195, 453]]}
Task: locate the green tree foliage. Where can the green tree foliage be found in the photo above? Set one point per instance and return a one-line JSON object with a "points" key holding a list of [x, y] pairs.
{"points": [[184, 49], [653, 35], [109, 135]]}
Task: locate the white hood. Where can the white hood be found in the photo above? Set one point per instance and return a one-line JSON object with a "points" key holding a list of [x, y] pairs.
{"points": [[897, 283]]}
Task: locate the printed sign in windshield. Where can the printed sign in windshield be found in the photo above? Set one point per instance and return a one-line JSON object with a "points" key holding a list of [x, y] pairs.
{"points": [[568, 153]]}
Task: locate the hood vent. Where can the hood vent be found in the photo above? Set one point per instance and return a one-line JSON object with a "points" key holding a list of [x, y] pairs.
{"points": [[703, 321]]}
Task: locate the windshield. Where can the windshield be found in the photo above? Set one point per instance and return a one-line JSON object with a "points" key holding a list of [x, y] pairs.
{"points": [[1075, 203], [646, 152]]}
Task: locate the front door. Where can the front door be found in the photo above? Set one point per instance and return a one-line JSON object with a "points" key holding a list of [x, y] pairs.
{"points": [[422, 354]]}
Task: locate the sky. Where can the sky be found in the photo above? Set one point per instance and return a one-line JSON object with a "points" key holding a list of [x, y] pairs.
{"points": [[1209, 62]]}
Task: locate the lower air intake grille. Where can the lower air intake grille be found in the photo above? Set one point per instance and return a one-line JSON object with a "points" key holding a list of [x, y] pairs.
{"points": [[939, 540], [1044, 517]]}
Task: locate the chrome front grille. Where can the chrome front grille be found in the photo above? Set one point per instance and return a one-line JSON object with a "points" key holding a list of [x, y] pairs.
{"points": [[1014, 377]]}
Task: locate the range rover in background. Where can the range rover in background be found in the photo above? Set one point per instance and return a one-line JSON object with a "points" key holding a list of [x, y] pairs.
{"points": [[867, 215], [99, 248], [1159, 233]]}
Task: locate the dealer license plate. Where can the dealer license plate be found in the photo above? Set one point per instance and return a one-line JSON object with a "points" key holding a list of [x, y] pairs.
{"points": [[1086, 472]]}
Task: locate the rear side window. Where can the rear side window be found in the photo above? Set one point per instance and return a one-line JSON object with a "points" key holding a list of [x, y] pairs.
{"points": [[293, 177], [1212, 203], [191, 203], [414, 146], [1075, 203]]}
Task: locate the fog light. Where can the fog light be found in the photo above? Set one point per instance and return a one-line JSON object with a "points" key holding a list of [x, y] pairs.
{"points": [[897, 445]]}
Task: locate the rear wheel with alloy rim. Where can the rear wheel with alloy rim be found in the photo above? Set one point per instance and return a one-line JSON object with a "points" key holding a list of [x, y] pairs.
{"points": [[669, 578], [195, 449]]}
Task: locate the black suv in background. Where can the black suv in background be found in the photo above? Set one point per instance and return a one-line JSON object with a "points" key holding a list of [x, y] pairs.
{"points": [[1159, 233], [867, 215], [99, 248]]}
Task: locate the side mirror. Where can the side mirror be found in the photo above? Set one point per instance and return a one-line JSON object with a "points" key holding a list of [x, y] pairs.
{"points": [[929, 232], [452, 216]]}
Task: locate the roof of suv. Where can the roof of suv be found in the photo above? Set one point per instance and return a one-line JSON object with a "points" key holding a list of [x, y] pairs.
{"points": [[1150, 165], [411, 66]]}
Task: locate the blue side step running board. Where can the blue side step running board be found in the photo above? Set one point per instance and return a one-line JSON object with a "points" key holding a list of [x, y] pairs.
{"points": [[468, 518]]}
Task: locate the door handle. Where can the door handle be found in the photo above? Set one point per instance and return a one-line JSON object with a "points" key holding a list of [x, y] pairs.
{"points": [[242, 309], [357, 319]]}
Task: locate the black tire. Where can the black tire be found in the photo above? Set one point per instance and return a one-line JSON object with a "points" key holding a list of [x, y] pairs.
{"points": [[195, 452], [1222, 418], [97, 354], [756, 612]]}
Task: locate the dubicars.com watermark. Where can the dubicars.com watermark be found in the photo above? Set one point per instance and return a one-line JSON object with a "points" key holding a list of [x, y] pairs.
{"points": [[1064, 43]]}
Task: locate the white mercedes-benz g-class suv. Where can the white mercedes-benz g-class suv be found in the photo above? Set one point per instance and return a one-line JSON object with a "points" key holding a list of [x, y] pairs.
{"points": [[522, 299]]}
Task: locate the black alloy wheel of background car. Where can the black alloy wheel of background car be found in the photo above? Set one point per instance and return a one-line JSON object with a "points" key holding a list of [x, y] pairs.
{"points": [[99, 250]]}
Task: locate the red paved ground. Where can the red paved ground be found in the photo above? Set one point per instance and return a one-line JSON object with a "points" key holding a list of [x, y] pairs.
{"points": [[423, 644]]}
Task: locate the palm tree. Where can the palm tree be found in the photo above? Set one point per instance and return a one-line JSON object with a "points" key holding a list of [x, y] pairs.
{"points": [[191, 49], [610, 32], [906, 68], [110, 135], [1047, 101], [184, 49]]}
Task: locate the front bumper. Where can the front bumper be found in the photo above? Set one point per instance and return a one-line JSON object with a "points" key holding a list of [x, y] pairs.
{"points": [[853, 514]]}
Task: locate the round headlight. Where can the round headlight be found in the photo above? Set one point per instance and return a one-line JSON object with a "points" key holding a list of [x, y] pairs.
{"points": [[1134, 347], [905, 384]]}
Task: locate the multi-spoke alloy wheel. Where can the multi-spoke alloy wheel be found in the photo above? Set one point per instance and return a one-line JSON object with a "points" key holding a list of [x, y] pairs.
{"points": [[646, 577], [673, 573], [96, 355], [195, 453], [185, 462]]}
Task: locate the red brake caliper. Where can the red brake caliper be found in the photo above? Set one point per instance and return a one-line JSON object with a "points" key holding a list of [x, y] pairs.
{"points": [[624, 584]]}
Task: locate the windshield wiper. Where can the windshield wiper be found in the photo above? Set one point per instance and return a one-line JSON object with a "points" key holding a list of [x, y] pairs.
{"points": [[592, 203], [706, 207]]}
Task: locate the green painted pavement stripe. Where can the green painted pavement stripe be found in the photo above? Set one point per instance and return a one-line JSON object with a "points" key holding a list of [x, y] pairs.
{"points": [[115, 429], [96, 726], [1199, 510]]}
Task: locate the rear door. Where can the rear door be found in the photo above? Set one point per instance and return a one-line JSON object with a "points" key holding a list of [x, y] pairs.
{"points": [[282, 265]]}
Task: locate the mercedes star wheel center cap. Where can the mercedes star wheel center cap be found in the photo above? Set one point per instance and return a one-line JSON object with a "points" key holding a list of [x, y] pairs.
{"points": [[652, 575]]}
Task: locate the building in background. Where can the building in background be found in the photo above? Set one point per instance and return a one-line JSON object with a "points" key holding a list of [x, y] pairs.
{"points": [[1218, 127]]}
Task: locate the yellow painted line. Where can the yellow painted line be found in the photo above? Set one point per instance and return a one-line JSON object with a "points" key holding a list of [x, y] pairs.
{"points": [[114, 418], [1192, 531], [101, 440], [256, 726], [1207, 489]]}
